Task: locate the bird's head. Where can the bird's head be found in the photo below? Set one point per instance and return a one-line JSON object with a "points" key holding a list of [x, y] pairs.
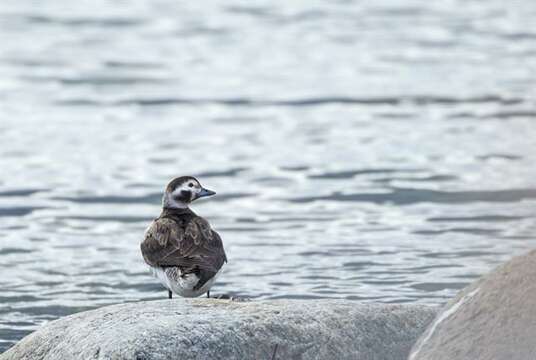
{"points": [[181, 191]]}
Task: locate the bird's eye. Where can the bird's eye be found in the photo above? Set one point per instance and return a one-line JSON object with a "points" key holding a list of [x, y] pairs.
{"points": [[190, 185]]}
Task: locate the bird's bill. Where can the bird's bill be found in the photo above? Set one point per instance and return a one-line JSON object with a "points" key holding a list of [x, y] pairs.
{"points": [[205, 192]]}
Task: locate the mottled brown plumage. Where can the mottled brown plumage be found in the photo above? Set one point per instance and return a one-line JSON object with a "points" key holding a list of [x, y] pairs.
{"points": [[179, 238]]}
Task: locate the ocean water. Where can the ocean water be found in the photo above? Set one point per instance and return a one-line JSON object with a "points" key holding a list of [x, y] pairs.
{"points": [[376, 151]]}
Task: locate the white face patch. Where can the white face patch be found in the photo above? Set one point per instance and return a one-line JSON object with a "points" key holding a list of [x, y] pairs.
{"points": [[175, 198], [191, 185]]}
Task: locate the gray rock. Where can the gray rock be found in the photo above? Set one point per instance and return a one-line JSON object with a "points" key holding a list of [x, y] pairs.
{"points": [[494, 318], [222, 329]]}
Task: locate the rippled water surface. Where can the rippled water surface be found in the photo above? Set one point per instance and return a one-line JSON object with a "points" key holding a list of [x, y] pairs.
{"points": [[379, 151]]}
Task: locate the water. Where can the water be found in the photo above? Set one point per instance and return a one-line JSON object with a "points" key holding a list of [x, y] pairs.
{"points": [[376, 151]]}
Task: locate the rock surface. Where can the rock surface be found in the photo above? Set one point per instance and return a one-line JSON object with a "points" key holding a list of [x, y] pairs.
{"points": [[494, 318], [222, 329]]}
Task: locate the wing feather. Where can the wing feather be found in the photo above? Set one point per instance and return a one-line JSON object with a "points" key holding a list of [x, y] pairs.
{"points": [[167, 244]]}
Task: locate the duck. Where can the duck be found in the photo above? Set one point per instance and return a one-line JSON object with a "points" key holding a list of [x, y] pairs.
{"points": [[181, 249]]}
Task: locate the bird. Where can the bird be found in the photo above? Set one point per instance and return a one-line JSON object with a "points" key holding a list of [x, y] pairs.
{"points": [[180, 247]]}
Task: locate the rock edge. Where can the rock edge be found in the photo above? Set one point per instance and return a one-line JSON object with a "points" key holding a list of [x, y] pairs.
{"points": [[222, 329]]}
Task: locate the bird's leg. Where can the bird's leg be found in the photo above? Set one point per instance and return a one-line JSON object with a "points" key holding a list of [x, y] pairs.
{"points": [[170, 294], [208, 294]]}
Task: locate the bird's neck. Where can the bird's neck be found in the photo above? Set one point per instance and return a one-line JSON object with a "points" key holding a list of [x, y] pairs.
{"points": [[178, 214], [169, 203]]}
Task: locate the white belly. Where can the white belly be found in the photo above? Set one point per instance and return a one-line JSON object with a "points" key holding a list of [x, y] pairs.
{"points": [[182, 285]]}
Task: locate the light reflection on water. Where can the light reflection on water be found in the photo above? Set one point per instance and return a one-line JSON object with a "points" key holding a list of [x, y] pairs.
{"points": [[369, 152]]}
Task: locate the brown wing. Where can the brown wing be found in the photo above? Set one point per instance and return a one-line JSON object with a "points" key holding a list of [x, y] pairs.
{"points": [[166, 244]]}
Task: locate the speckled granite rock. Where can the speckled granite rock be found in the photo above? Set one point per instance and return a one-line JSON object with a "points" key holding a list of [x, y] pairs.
{"points": [[221, 329], [492, 319]]}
